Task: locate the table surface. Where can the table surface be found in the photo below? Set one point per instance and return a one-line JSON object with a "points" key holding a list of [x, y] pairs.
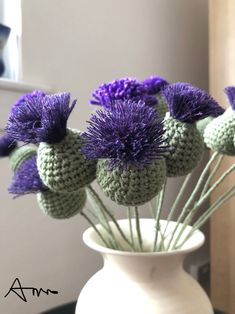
{"points": [[70, 309]]}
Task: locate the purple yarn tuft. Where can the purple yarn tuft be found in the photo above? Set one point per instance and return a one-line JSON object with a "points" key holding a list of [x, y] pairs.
{"points": [[155, 84], [7, 145], [230, 92], [189, 104], [122, 89], [26, 180], [40, 118], [129, 134]]}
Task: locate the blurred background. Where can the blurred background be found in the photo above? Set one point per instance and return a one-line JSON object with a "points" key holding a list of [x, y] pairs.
{"points": [[74, 46]]}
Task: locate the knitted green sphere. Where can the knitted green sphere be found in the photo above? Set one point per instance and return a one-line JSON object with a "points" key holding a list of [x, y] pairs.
{"points": [[132, 186], [62, 167], [219, 133], [61, 205], [202, 124], [188, 145], [21, 154]]}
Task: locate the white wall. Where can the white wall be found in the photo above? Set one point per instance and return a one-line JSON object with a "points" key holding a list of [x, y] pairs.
{"points": [[74, 46]]}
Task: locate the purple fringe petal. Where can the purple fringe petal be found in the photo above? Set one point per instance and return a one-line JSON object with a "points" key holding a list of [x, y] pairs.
{"points": [[39, 118], [130, 133], [26, 180], [230, 92], [122, 89], [7, 145], [154, 84], [189, 104]]}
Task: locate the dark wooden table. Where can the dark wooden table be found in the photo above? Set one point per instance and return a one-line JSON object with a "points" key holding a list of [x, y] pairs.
{"points": [[70, 309]]}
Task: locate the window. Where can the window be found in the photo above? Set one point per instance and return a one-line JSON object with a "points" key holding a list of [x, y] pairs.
{"points": [[10, 16]]}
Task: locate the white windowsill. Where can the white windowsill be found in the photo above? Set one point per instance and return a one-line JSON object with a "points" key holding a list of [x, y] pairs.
{"points": [[20, 86]]}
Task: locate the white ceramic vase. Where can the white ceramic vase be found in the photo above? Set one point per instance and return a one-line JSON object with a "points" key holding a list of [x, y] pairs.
{"points": [[139, 283]]}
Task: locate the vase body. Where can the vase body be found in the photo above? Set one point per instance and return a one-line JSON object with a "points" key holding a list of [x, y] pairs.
{"points": [[151, 283]]}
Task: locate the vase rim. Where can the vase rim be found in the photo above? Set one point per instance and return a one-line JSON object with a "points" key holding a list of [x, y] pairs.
{"points": [[92, 240]]}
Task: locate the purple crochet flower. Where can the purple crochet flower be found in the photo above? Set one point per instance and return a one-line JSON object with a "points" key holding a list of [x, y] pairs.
{"points": [[155, 84], [34, 94], [7, 145], [26, 180], [40, 118], [129, 134], [122, 89], [189, 104], [230, 92]]}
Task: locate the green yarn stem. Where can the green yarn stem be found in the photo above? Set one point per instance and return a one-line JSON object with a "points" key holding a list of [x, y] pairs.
{"points": [[192, 212], [211, 176], [95, 228], [158, 215], [98, 206], [203, 219], [191, 198], [111, 216], [176, 202], [151, 209], [137, 221], [112, 243], [129, 215], [215, 185]]}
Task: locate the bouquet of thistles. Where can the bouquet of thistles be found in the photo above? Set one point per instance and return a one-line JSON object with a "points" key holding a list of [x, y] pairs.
{"points": [[142, 133]]}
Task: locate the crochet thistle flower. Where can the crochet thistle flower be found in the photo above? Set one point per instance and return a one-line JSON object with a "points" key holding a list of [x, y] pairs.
{"points": [[129, 134], [129, 145], [40, 118], [122, 89], [219, 133], [230, 92], [154, 84], [43, 119], [189, 104], [26, 179], [7, 145]]}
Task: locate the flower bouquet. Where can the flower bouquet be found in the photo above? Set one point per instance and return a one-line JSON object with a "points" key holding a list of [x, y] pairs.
{"points": [[143, 133]]}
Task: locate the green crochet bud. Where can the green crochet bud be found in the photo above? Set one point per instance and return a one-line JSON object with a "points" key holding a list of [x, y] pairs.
{"points": [[188, 145], [62, 167], [132, 186], [202, 124], [61, 205], [219, 133], [21, 154], [161, 106]]}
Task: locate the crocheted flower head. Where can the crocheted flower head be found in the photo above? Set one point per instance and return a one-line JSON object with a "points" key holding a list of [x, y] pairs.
{"points": [[7, 145], [61, 205], [188, 146], [129, 134], [122, 89], [21, 154], [26, 179], [39, 118], [219, 133], [129, 145], [189, 104], [43, 119], [154, 84]]}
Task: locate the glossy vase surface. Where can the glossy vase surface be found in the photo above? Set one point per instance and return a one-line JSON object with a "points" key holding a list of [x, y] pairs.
{"points": [[148, 282]]}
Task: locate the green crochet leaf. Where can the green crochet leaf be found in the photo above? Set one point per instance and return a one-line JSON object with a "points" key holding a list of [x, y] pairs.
{"points": [[133, 186]]}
